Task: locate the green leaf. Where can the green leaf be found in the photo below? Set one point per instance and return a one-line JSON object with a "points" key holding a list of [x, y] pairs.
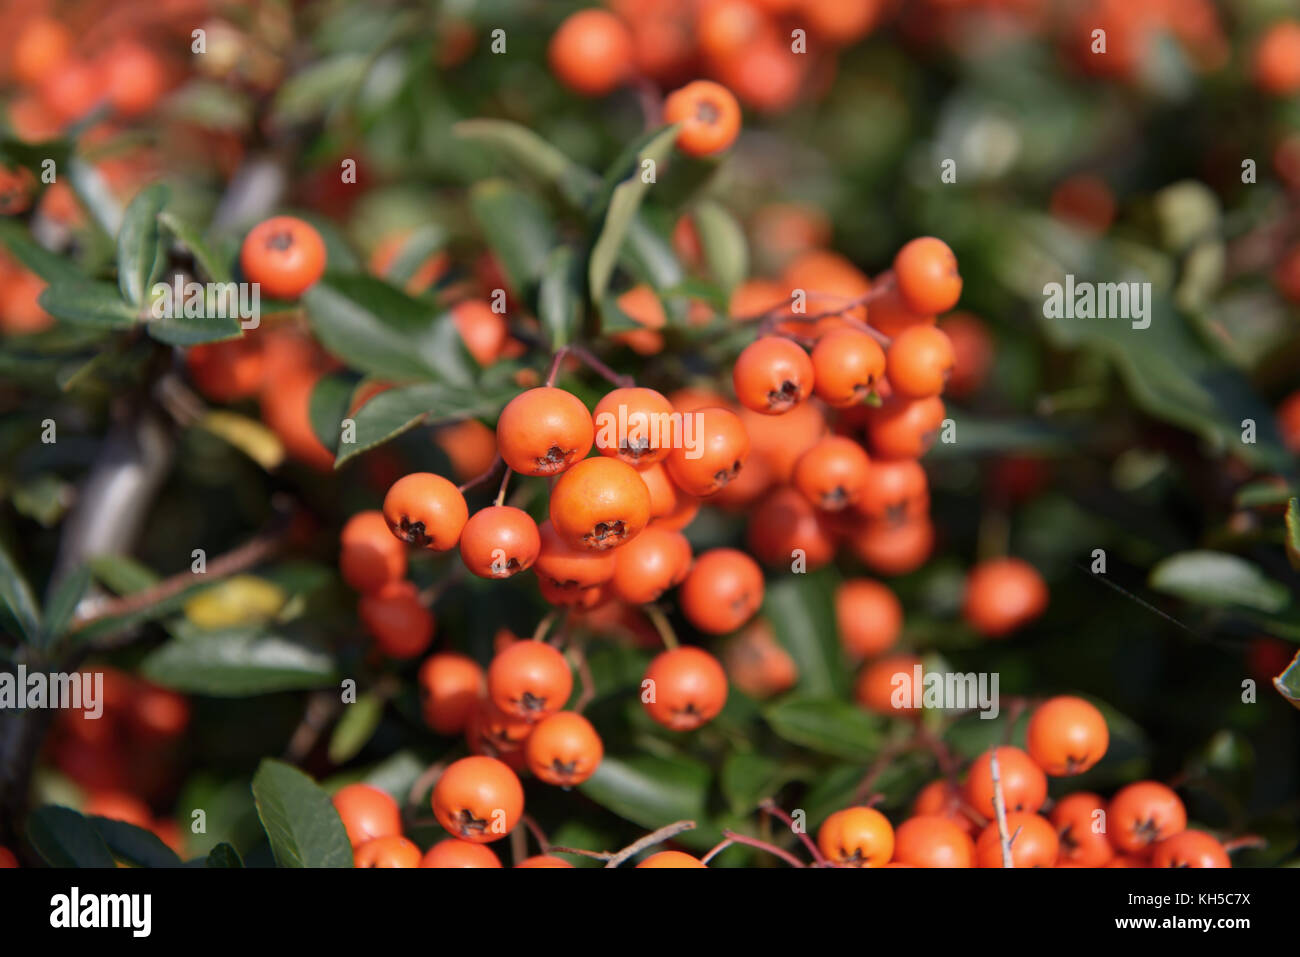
{"points": [[649, 790], [415, 252], [140, 256], [66, 839], [748, 778], [330, 400], [88, 303], [193, 330], [623, 205], [560, 297], [238, 662], [393, 412], [976, 436], [1293, 533], [188, 236], [800, 609], [95, 195], [300, 822], [134, 845], [380, 330], [518, 229], [49, 266], [223, 855], [1288, 682], [18, 598], [318, 86], [652, 256], [722, 239], [528, 151], [122, 574], [1219, 580], [826, 725], [62, 604], [355, 728]]}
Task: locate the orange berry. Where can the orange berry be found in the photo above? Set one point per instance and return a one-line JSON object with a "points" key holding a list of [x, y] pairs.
{"points": [[1144, 814], [684, 688], [72, 90], [134, 78], [119, 806], [600, 503], [1034, 844], [369, 556], [478, 799], [566, 566], [894, 492], [919, 362], [1066, 736], [642, 306], [722, 591], [869, 616], [451, 689], [286, 409], [671, 859], [944, 799], [893, 549], [1084, 202], [426, 510], [1003, 594], [704, 462], [470, 445], [830, 282], [482, 329], [857, 837], [7, 858], [847, 364], [756, 663], [926, 272], [665, 497], [392, 851], [41, 48], [972, 349], [227, 371], [1190, 849], [367, 813], [544, 431], [649, 565], [454, 852], [543, 860], [492, 732], [781, 439], [499, 541], [785, 521], [903, 428], [929, 840], [564, 749], [395, 618], [284, 255], [833, 473], [635, 426], [888, 686], [591, 52], [709, 116], [1024, 786], [529, 679], [1079, 820], [1277, 59], [772, 375]]}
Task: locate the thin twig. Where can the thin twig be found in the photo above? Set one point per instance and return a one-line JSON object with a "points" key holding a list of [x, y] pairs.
{"points": [[1000, 806], [650, 840], [483, 476], [662, 625], [587, 358], [771, 807], [425, 782], [762, 846]]}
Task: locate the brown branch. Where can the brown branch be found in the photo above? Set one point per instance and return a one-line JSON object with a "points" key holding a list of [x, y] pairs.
{"points": [[732, 836], [1000, 806], [771, 807]]}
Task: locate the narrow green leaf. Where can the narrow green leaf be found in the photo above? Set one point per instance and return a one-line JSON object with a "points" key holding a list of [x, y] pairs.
{"points": [[134, 845], [193, 331], [188, 235], [559, 298], [1293, 533], [65, 838], [800, 610], [395, 411], [223, 855], [518, 229], [140, 254], [1218, 579], [826, 725], [300, 822], [238, 662], [355, 728], [726, 254], [649, 790], [49, 266], [88, 303], [62, 604], [18, 598], [329, 405], [531, 153]]}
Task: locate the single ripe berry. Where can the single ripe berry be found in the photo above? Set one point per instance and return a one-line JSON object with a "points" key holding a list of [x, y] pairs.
{"points": [[478, 799], [492, 732], [7, 858], [391, 851], [426, 510], [919, 362], [756, 663], [286, 409], [1067, 735], [857, 837], [889, 686], [772, 375], [779, 440], [784, 520], [722, 591], [894, 549], [119, 806], [454, 852], [896, 491], [564, 749], [451, 687], [591, 52], [929, 840], [869, 616], [944, 799], [600, 503], [284, 255], [529, 679], [649, 565], [134, 78], [544, 431], [711, 452], [847, 366], [483, 331], [833, 473], [973, 353], [1035, 843], [367, 813], [369, 556], [926, 272], [543, 860], [1003, 594], [1024, 786], [563, 566], [1143, 814], [1080, 822], [499, 541], [635, 425], [396, 619], [671, 859], [709, 116], [684, 688], [1277, 59], [903, 428], [665, 497], [1190, 849]]}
